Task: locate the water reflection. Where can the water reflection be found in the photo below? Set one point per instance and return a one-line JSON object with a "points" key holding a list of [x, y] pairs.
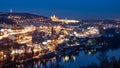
{"points": [[75, 59], [43, 63]]}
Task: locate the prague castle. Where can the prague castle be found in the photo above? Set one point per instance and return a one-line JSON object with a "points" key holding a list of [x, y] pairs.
{"points": [[56, 19]]}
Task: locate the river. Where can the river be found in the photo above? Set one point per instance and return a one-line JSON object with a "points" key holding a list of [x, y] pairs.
{"points": [[76, 59]]}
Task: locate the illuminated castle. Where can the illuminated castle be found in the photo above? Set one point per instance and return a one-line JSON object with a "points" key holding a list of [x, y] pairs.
{"points": [[56, 19]]}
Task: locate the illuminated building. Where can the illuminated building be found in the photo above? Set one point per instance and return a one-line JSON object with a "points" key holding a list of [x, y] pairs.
{"points": [[56, 19]]}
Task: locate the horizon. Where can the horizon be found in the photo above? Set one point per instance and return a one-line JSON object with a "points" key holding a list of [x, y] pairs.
{"points": [[60, 17], [78, 9]]}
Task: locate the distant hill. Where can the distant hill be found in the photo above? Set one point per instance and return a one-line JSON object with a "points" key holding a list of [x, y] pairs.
{"points": [[92, 21], [24, 18], [6, 21], [104, 21], [27, 15]]}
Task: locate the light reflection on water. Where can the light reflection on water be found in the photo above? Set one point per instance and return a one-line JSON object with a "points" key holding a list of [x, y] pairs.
{"points": [[75, 60]]}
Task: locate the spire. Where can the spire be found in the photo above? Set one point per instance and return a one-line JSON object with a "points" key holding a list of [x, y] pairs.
{"points": [[11, 10]]}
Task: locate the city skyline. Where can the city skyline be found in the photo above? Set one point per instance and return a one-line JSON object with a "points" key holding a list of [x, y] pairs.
{"points": [[77, 9], [59, 34]]}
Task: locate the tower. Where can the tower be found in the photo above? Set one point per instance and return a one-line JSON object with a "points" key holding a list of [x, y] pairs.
{"points": [[11, 10], [10, 16]]}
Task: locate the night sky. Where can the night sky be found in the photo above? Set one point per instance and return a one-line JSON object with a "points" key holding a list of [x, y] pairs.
{"points": [[72, 9]]}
